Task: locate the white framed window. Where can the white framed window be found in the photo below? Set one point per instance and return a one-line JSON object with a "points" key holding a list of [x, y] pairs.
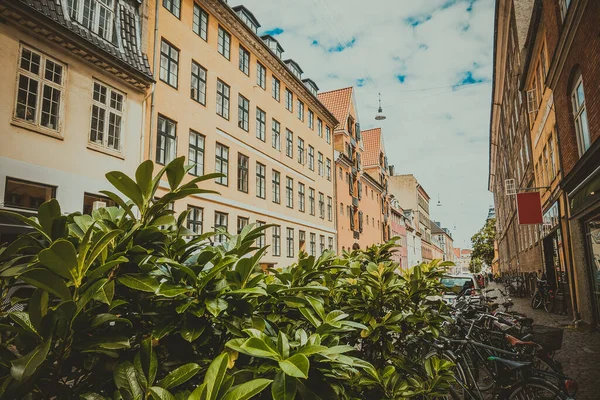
{"points": [[300, 110], [224, 43], [195, 219], [261, 75], [290, 242], [174, 7], [261, 124], [169, 63], [200, 22], [107, 116], [244, 63], [196, 153], [289, 100], [276, 134], [564, 7], [243, 113], [311, 119], [222, 164], [580, 115], [95, 15], [289, 192], [276, 241], [276, 89], [166, 140], [198, 83], [40, 86]]}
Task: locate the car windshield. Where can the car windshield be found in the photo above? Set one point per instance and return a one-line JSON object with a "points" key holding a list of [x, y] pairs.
{"points": [[455, 284]]}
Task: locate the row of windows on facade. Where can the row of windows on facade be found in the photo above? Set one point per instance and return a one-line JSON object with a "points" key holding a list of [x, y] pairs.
{"points": [[165, 152], [31, 195], [195, 222], [349, 181], [40, 90], [166, 149], [169, 71], [350, 213]]}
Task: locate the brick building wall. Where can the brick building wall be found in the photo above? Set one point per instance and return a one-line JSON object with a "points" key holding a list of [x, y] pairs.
{"points": [[583, 56]]}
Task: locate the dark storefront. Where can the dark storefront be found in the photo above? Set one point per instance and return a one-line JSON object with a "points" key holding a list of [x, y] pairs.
{"points": [[584, 204], [554, 258]]}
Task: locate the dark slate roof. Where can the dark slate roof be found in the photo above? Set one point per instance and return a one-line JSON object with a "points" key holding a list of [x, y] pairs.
{"points": [[130, 54], [248, 13]]}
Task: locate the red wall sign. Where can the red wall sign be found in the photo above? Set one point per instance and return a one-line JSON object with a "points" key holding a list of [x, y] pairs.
{"points": [[529, 208]]}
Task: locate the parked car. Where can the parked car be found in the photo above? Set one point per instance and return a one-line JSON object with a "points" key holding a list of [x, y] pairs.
{"points": [[456, 284]]}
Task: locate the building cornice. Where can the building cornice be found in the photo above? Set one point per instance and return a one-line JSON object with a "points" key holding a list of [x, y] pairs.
{"points": [[41, 26], [227, 16]]}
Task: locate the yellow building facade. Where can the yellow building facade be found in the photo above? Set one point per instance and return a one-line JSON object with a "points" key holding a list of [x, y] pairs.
{"points": [[227, 101], [73, 97]]}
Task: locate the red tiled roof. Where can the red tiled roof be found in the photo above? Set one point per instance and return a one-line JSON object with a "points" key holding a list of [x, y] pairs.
{"points": [[372, 141], [338, 103]]}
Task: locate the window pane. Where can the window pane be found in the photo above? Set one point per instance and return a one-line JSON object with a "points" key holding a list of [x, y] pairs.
{"points": [[30, 61], [98, 123], [27, 98], [29, 195]]}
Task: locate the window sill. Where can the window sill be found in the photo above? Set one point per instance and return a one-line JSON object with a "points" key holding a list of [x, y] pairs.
{"points": [[37, 129], [104, 150]]}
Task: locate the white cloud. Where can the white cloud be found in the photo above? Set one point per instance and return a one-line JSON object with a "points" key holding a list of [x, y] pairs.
{"points": [[439, 135]]}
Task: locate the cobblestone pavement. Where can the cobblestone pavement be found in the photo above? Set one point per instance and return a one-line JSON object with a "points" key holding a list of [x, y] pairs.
{"points": [[580, 353]]}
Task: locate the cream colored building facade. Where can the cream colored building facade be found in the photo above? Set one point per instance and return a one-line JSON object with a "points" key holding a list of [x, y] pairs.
{"points": [[227, 101], [412, 196], [72, 104]]}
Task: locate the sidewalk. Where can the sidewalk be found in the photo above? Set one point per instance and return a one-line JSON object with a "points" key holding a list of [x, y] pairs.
{"points": [[580, 353]]}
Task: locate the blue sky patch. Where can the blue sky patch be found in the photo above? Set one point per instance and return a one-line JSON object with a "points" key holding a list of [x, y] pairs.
{"points": [[315, 42], [417, 20], [470, 8], [401, 78], [423, 46], [341, 47], [274, 31], [468, 79], [360, 82]]}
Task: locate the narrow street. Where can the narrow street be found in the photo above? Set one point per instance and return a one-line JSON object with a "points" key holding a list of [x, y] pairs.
{"points": [[580, 348]]}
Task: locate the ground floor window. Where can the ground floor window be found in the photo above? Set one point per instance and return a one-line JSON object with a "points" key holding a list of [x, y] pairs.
{"points": [[90, 199], [25, 194]]}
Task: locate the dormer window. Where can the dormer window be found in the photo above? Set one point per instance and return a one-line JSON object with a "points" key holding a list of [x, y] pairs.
{"points": [[311, 86], [95, 15], [247, 17], [294, 67], [273, 44]]}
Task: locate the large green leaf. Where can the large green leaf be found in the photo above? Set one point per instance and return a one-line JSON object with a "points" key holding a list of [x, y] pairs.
{"points": [[179, 375], [106, 293], [143, 178], [38, 308], [283, 345], [61, 258], [139, 282], [247, 390], [24, 320], [149, 360], [127, 186], [215, 375], [192, 329], [258, 348], [121, 203], [47, 281], [176, 172], [199, 393], [125, 378], [167, 289], [296, 366], [97, 248], [284, 387], [90, 292], [159, 393], [25, 366], [47, 212]]}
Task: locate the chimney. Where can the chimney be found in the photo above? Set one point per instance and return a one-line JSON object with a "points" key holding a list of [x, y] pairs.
{"points": [[391, 168]]}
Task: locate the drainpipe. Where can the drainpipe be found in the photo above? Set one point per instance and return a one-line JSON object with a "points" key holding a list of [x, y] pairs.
{"points": [[154, 64]]}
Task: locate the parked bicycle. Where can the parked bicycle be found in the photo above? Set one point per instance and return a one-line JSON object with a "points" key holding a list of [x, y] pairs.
{"points": [[543, 296]]}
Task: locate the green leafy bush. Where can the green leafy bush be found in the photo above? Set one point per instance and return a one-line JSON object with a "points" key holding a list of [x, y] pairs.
{"points": [[129, 304]]}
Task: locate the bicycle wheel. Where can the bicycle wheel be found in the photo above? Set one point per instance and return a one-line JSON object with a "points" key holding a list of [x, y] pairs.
{"points": [[536, 389], [457, 390], [536, 301]]}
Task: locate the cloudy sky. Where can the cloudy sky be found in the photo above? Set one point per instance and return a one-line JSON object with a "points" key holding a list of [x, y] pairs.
{"points": [[432, 62]]}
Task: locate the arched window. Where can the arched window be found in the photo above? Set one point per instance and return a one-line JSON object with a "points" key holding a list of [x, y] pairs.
{"points": [[580, 116]]}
